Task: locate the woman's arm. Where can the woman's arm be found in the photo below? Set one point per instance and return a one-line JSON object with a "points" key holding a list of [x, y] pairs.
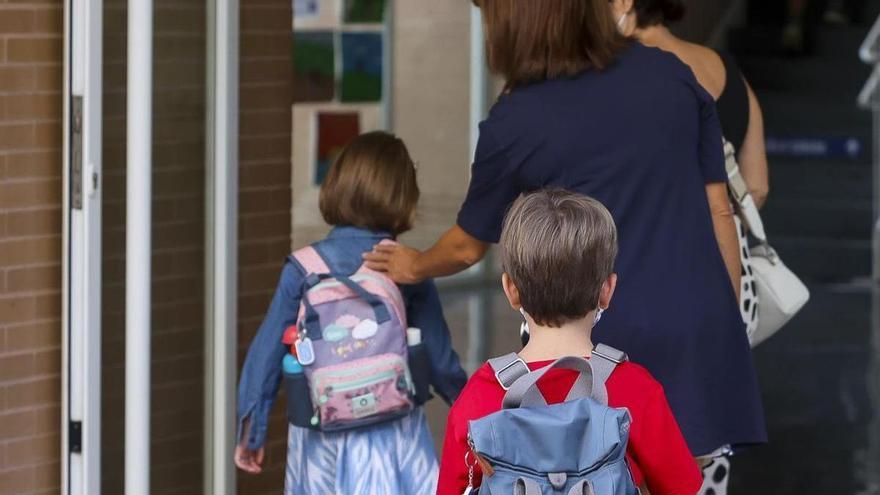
{"points": [[753, 155], [455, 251], [725, 231]]}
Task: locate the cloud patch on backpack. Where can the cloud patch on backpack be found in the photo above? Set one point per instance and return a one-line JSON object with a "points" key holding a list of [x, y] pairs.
{"points": [[365, 330]]}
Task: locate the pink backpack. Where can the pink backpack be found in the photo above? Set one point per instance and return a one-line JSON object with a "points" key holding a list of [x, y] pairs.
{"points": [[351, 343]]}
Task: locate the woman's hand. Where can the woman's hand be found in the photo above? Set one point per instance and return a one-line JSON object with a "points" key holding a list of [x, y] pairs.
{"points": [[248, 460], [396, 260], [456, 250]]}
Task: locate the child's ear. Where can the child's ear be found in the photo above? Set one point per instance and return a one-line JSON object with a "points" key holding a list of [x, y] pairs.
{"points": [[510, 291], [607, 291]]}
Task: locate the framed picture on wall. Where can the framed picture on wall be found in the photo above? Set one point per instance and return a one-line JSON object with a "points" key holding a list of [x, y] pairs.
{"points": [[333, 131]]}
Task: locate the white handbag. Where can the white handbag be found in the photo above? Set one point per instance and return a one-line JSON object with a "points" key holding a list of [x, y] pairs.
{"points": [[781, 294]]}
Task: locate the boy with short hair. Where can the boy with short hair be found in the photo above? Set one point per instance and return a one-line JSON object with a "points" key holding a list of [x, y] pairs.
{"points": [[558, 258]]}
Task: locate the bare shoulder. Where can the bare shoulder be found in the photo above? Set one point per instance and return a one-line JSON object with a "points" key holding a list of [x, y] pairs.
{"points": [[707, 66]]}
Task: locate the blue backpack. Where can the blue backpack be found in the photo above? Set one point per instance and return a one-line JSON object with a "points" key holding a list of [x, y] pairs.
{"points": [[577, 447]]}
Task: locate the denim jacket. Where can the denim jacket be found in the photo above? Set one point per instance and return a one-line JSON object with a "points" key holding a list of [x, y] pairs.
{"points": [[342, 250]]}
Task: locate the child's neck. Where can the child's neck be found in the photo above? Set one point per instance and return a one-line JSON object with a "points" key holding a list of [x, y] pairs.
{"points": [[571, 339]]}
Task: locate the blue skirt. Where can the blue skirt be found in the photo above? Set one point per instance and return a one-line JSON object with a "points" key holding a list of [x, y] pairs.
{"points": [[391, 458]]}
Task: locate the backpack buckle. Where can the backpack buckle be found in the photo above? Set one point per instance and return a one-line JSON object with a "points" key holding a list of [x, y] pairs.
{"points": [[509, 374]]}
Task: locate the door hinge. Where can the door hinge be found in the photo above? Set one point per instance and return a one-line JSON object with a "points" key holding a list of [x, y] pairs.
{"points": [[76, 152], [75, 437]]}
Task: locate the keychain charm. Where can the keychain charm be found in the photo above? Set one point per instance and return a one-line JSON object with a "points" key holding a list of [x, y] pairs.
{"points": [[470, 486], [305, 353]]}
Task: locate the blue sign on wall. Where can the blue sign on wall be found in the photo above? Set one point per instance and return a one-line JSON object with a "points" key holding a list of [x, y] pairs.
{"points": [[815, 147]]}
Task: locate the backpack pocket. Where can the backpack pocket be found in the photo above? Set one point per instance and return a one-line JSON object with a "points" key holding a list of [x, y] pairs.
{"points": [[362, 392]]}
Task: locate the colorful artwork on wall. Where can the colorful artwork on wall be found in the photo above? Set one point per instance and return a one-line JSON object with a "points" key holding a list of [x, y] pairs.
{"points": [[335, 130], [306, 9], [364, 11], [314, 70], [361, 67]]}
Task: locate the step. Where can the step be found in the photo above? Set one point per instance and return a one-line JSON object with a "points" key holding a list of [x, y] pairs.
{"points": [[815, 368], [830, 41], [820, 180], [789, 113], [832, 219], [838, 78], [825, 260]]}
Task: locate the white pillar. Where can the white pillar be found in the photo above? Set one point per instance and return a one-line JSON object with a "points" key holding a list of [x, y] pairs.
{"points": [[479, 304], [138, 243], [479, 77], [221, 245]]}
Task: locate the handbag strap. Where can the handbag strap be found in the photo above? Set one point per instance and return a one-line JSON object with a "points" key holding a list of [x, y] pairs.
{"points": [[742, 196]]}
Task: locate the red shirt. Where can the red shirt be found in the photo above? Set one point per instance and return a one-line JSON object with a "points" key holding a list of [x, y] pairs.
{"points": [[657, 452]]}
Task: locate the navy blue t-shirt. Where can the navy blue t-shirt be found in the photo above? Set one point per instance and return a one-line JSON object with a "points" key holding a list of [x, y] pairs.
{"points": [[642, 137]]}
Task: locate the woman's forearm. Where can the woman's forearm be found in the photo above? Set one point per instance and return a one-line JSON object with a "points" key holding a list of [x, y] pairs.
{"points": [[725, 232], [454, 252]]}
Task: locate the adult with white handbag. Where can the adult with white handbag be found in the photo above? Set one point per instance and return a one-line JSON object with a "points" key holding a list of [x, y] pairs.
{"points": [[780, 293]]}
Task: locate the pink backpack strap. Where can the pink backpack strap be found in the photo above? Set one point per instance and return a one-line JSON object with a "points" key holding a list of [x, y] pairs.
{"points": [[310, 260]]}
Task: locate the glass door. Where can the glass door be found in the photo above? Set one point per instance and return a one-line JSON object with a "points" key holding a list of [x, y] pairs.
{"points": [[177, 254]]}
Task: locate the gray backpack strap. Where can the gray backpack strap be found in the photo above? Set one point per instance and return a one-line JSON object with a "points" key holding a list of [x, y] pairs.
{"points": [[508, 369], [526, 486], [525, 393], [604, 359]]}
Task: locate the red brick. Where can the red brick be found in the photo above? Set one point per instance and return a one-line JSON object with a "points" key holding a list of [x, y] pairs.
{"points": [[49, 20], [34, 164], [30, 279], [16, 481], [34, 222], [36, 49], [38, 392], [16, 79], [30, 251], [17, 424], [16, 20], [16, 136], [16, 309], [48, 78], [48, 135], [33, 335], [16, 366], [34, 106], [30, 193], [32, 450]]}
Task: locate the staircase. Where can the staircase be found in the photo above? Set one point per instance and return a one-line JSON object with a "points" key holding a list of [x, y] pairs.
{"points": [[815, 374]]}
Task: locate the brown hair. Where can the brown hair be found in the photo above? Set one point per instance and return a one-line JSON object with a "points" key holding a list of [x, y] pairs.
{"points": [[372, 184], [531, 41], [558, 249]]}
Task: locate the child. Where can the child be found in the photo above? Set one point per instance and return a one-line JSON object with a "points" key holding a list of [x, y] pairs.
{"points": [[558, 256], [369, 195]]}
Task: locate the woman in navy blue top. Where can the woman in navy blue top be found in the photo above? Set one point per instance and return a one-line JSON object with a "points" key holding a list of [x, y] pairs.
{"points": [[591, 111]]}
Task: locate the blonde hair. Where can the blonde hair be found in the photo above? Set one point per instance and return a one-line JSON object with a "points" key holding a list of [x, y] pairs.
{"points": [[558, 248]]}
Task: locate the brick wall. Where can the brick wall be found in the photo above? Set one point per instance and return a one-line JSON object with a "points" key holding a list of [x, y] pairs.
{"points": [[30, 245], [177, 408], [264, 198]]}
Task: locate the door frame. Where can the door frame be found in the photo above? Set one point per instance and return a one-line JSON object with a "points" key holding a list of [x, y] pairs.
{"points": [[81, 258]]}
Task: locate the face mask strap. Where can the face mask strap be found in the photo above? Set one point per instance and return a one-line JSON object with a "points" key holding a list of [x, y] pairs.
{"points": [[621, 21]]}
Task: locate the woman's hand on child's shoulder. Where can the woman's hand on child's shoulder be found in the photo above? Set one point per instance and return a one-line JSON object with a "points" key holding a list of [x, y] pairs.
{"points": [[396, 260]]}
